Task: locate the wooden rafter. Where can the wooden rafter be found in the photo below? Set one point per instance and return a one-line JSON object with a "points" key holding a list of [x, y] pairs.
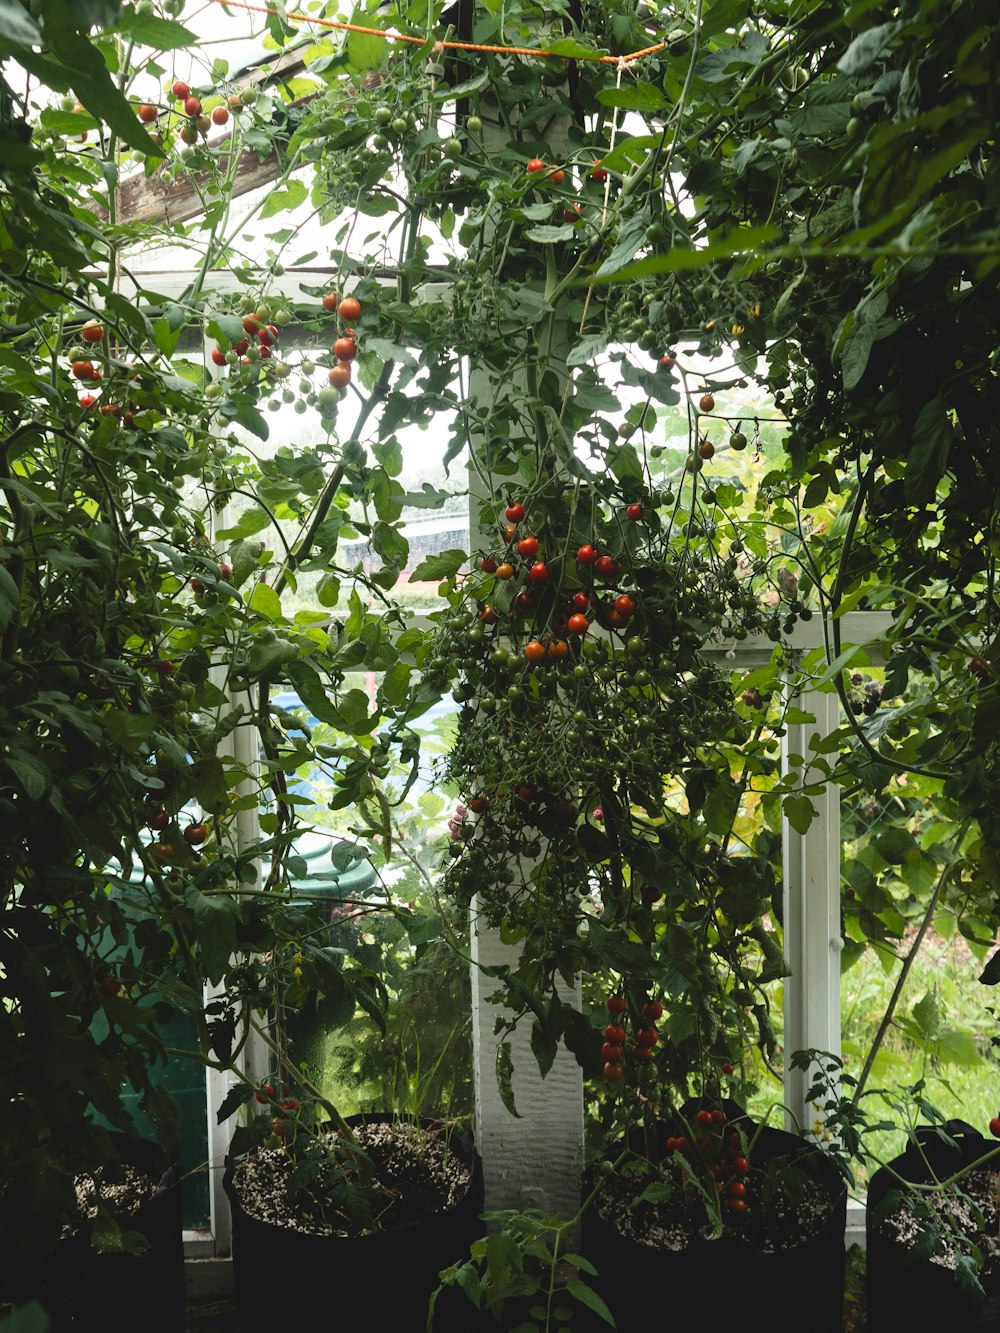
{"points": [[156, 198]]}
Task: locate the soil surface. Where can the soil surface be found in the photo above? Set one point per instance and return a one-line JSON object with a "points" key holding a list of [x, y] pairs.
{"points": [[782, 1207], [414, 1176]]}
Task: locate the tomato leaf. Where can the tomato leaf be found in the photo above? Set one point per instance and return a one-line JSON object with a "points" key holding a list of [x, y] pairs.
{"points": [[444, 565], [238, 1095], [266, 602], [151, 30], [505, 1076], [588, 1297], [294, 193], [928, 456], [799, 811], [637, 97]]}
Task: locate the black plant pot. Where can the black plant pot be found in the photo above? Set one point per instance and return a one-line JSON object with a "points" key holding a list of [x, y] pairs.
{"points": [[919, 1296], [88, 1291], [714, 1286], [381, 1281]]}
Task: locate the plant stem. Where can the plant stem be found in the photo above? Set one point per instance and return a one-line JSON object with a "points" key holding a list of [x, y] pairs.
{"points": [[905, 970]]}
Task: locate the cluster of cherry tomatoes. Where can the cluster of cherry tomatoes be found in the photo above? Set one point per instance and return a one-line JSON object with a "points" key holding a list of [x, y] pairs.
{"points": [[345, 347], [190, 106], [579, 609], [260, 337], [722, 1151], [645, 1037]]}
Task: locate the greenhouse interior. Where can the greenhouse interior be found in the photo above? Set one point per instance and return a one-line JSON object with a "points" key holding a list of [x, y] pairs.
{"points": [[499, 666]]}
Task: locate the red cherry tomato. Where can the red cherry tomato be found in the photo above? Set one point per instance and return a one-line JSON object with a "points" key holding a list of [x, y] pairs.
{"points": [[634, 512], [578, 624], [539, 572], [586, 554], [528, 547], [514, 513], [604, 567], [617, 1004]]}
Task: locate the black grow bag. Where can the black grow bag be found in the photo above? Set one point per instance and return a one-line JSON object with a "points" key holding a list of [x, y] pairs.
{"points": [[84, 1290], [715, 1286], [922, 1297], [381, 1281]]}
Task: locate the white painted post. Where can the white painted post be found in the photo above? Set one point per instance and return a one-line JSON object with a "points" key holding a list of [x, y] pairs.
{"points": [[241, 745], [811, 869], [533, 1161], [811, 872]]}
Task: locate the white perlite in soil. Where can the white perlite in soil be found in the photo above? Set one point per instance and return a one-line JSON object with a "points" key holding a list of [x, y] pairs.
{"points": [[954, 1219], [789, 1217], [129, 1191], [415, 1177]]}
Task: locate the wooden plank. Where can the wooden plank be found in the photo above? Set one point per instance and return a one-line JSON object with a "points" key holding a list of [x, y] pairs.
{"points": [[156, 199]]}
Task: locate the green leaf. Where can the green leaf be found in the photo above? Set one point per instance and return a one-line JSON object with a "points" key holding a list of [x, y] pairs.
{"points": [[588, 1297], [248, 525], [237, 1096], [241, 410], [867, 47], [634, 97], [895, 844], [353, 709], [448, 93], [444, 565], [30, 774], [738, 241], [89, 77], [224, 327], [958, 1046], [17, 25], [215, 916], [365, 52], [570, 49], [929, 446], [151, 30], [208, 782], [505, 1076], [799, 812], [166, 337], [294, 193], [129, 730], [549, 233], [266, 602]]}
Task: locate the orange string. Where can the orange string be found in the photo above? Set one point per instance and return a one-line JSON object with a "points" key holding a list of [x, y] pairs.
{"points": [[451, 46]]}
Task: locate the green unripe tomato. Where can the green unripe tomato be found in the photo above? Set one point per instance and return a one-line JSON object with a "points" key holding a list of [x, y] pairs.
{"points": [[382, 115], [473, 124], [282, 318], [453, 149], [398, 125], [308, 367], [327, 398]]}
